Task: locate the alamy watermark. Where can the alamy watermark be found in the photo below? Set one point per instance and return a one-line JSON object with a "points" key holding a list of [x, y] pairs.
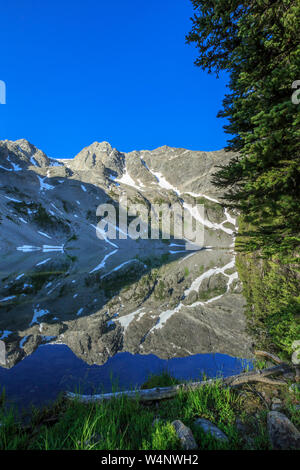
{"points": [[2, 92], [296, 94], [156, 221]]}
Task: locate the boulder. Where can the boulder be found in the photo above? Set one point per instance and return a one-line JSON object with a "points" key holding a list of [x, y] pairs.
{"points": [[210, 428], [276, 406], [296, 357], [282, 433], [296, 345], [185, 435]]}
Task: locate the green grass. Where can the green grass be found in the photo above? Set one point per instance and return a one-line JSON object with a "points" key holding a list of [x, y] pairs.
{"points": [[162, 380], [124, 424]]}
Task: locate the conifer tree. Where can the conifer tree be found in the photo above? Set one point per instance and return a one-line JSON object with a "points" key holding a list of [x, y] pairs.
{"points": [[258, 43]]}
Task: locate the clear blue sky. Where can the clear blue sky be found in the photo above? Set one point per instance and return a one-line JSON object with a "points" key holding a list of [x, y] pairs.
{"points": [[116, 70]]}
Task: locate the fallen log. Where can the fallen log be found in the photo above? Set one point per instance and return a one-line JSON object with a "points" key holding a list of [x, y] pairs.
{"points": [[267, 381], [161, 393], [269, 356]]}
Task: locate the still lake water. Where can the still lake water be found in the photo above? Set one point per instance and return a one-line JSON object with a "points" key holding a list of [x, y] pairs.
{"points": [[52, 369]]}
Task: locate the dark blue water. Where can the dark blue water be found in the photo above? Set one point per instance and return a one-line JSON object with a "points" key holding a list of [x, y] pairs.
{"points": [[51, 369]]}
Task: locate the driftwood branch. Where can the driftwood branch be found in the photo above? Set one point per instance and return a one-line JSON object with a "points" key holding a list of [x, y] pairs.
{"points": [[269, 356], [161, 393], [267, 381]]}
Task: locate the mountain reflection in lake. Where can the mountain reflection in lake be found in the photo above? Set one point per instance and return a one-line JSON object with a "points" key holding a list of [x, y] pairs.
{"points": [[164, 308]]}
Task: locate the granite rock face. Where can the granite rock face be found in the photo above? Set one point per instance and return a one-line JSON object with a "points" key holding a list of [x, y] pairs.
{"points": [[20, 155], [61, 283], [282, 433]]}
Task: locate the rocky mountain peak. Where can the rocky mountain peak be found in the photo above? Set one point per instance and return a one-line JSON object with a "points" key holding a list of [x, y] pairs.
{"points": [[99, 155], [20, 154]]}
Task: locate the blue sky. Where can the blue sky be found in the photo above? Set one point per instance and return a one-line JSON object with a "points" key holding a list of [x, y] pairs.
{"points": [[79, 71]]}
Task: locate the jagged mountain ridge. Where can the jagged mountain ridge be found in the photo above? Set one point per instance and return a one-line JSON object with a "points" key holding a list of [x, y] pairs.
{"points": [[185, 168]]}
